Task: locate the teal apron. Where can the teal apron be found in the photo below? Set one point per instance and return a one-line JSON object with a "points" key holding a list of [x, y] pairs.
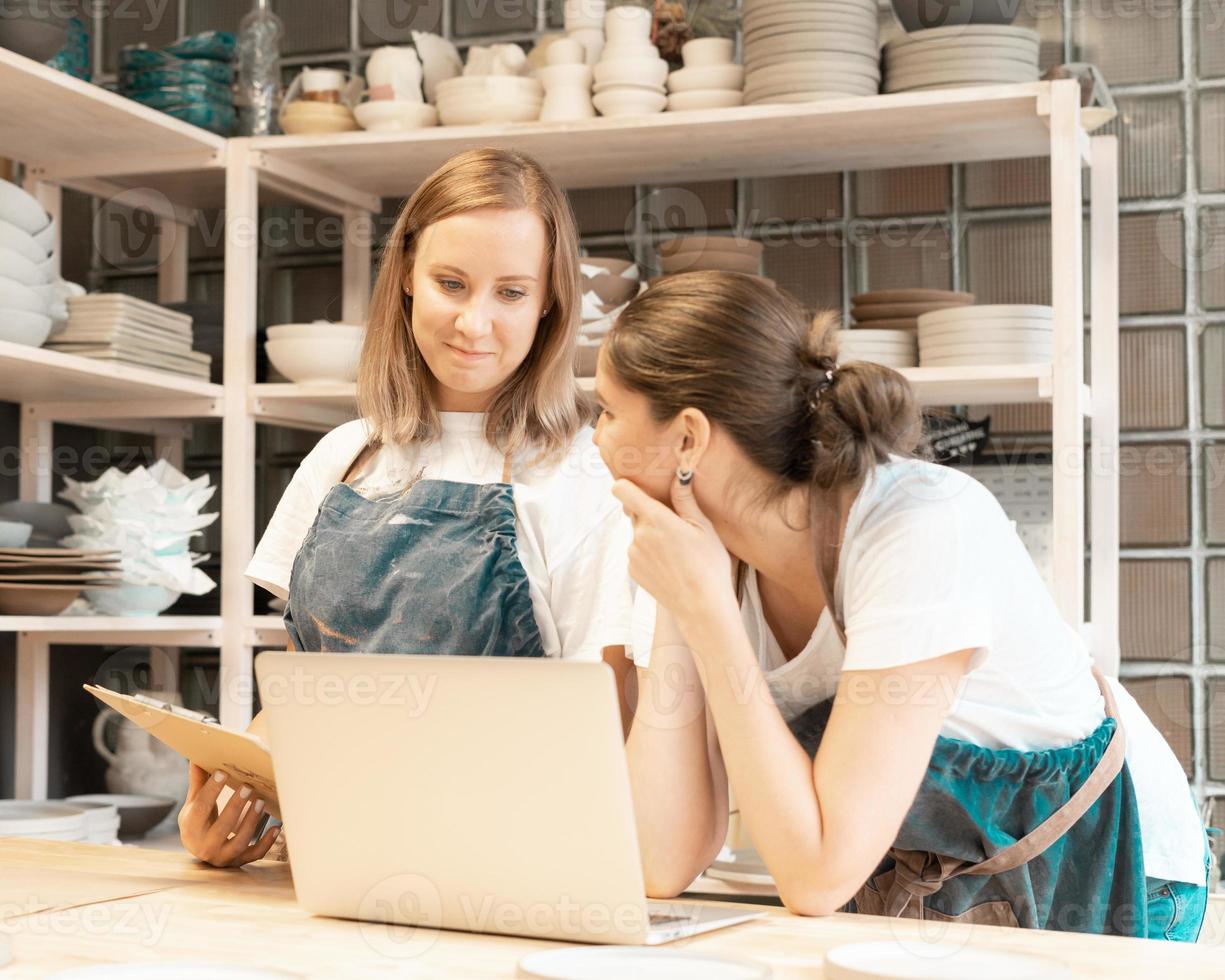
{"points": [[431, 569]]}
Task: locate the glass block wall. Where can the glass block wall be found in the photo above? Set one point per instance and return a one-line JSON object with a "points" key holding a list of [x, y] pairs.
{"points": [[981, 227]]}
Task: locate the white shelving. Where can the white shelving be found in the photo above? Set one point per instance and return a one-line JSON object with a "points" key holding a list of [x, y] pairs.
{"points": [[170, 168]]}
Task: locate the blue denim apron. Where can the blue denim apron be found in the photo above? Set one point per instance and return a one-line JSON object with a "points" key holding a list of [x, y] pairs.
{"points": [[1042, 840], [433, 568]]}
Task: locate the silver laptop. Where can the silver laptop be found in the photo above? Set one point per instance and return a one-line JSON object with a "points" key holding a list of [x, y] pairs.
{"points": [[485, 794]]}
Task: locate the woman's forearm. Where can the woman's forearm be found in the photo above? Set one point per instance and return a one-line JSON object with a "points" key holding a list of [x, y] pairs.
{"points": [[771, 773], [680, 815]]}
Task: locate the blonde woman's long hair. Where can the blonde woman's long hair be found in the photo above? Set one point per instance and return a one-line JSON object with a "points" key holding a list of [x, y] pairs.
{"points": [[539, 405]]}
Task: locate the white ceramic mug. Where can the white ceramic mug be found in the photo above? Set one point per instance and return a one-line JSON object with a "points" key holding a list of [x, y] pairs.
{"points": [[628, 24]]}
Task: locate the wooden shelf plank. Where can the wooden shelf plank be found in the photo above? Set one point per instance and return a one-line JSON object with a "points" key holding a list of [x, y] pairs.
{"points": [[199, 630], [857, 133], [315, 407], [35, 374], [55, 121], [989, 385]]}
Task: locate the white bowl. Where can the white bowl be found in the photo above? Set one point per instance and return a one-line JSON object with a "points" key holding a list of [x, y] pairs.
{"points": [[21, 242], [707, 78], [16, 295], [629, 102], [308, 331], [24, 327], [628, 23], [704, 99], [21, 209], [132, 600], [631, 71], [16, 266], [501, 88], [390, 116], [46, 237], [15, 534], [468, 112], [705, 52], [319, 361]]}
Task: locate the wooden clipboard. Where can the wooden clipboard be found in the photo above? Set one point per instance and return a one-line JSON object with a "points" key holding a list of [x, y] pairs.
{"points": [[242, 756]]}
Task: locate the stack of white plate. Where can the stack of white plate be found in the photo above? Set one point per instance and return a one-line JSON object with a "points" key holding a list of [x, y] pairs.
{"points": [[900, 309], [810, 50], [118, 328], [892, 348], [948, 57], [41, 820], [975, 335], [46, 581], [477, 99], [101, 820]]}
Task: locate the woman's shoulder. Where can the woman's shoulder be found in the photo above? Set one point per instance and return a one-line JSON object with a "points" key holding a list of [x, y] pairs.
{"points": [[335, 450]]}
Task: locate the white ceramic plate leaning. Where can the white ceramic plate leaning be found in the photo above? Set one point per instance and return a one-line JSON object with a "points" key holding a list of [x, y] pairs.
{"points": [[930, 961], [707, 78], [641, 962], [390, 116], [709, 99]]}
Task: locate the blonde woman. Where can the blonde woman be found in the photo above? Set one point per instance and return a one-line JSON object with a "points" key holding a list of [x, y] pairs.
{"points": [[906, 721], [467, 512]]}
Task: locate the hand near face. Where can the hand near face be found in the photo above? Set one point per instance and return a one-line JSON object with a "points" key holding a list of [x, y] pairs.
{"points": [[677, 555]]}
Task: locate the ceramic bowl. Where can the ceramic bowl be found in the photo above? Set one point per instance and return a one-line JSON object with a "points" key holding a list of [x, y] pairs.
{"points": [[25, 328], [708, 99], [715, 261], [631, 71], [32, 36], [476, 112], [628, 23], [21, 209], [629, 102], [710, 243], [317, 361], [917, 15], [16, 295], [500, 88], [137, 814], [21, 242], [390, 116], [704, 79], [705, 52], [49, 520], [615, 267], [132, 600], [46, 237], [36, 600], [14, 534], [14, 265], [310, 331], [309, 118]]}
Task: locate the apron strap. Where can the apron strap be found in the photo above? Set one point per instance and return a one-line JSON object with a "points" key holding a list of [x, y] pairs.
{"points": [[506, 469], [1061, 821]]}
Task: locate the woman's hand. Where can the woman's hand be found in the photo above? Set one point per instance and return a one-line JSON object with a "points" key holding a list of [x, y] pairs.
{"points": [[677, 555], [206, 833]]}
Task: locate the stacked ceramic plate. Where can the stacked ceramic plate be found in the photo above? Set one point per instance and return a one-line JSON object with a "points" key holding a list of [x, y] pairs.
{"points": [[709, 80], [42, 820], [123, 329], [717, 253], [947, 57], [900, 309], [476, 99], [101, 820], [975, 335], [46, 581], [809, 50], [892, 348]]}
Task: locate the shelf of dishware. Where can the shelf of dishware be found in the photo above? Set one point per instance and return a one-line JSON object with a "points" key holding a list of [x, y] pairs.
{"points": [[35, 374], [1002, 384], [184, 630], [963, 125], [75, 132]]}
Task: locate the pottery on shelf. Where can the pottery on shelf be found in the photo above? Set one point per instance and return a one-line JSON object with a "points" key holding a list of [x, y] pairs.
{"points": [[139, 763], [918, 15], [393, 73], [316, 353], [567, 92], [440, 60]]}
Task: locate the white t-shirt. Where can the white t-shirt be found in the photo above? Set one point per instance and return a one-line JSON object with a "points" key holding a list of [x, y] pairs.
{"points": [[930, 565], [573, 536]]}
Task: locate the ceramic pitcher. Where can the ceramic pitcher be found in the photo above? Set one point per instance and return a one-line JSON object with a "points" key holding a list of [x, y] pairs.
{"points": [[140, 764]]}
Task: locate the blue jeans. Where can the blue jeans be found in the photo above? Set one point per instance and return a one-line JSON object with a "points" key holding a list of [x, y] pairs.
{"points": [[1176, 909]]}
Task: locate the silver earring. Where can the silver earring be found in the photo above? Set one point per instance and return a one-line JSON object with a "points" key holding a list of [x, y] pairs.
{"points": [[685, 476]]}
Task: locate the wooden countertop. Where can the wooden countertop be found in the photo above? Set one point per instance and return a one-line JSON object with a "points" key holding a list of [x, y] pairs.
{"points": [[250, 917]]}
